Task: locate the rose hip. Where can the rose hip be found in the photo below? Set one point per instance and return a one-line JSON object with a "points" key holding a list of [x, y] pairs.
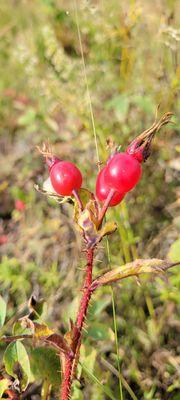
{"points": [[65, 177], [123, 172]]}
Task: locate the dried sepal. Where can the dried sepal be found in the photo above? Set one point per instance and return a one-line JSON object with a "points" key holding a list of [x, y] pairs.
{"points": [[55, 196], [46, 149], [135, 268]]}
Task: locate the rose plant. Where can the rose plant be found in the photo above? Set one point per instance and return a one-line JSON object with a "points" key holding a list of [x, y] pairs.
{"points": [[122, 172]]}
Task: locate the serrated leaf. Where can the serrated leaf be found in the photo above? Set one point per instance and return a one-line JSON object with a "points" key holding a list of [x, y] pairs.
{"points": [[4, 384], [2, 311], [45, 365], [16, 362]]}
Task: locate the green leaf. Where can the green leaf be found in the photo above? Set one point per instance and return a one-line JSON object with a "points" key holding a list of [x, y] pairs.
{"points": [[77, 392], [4, 384], [98, 331], [98, 306], [120, 105], [28, 118], [89, 359], [2, 311], [20, 329], [145, 103], [45, 365], [174, 252], [16, 362]]}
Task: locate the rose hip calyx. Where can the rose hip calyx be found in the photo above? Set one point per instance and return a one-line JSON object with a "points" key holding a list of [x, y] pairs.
{"points": [[140, 147]]}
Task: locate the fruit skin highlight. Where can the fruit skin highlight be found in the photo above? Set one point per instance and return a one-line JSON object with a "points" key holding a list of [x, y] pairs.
{"points": [[123, 172], [102, 190], [65, 178]]}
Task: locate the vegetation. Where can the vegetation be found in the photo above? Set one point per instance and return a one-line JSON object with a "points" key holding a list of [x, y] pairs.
{"points": [[85, 77]]}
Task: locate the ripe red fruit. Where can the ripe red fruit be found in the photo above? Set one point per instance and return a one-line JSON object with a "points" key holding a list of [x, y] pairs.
{"points": [[102, 190], [65, 177], [123, 172]]}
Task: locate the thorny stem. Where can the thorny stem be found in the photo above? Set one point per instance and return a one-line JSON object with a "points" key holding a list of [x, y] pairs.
{"points": [[71, 361], [105, 206]]}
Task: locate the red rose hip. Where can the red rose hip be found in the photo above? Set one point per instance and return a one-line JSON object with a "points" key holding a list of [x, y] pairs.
{"points": [[65, 177], [123, 172], [102, 190]]}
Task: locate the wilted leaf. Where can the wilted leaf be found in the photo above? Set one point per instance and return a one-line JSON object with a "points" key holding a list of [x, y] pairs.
{"points": [[85, 195], [2, 311], [36, 307], [136, 267], [47, 190], [107, 229], [41, 330], [86, 223], [16, 362]]}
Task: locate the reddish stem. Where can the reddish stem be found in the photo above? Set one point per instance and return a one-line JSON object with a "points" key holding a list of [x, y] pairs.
{"points": [[71, 362], [66, 381], [105, 206]]}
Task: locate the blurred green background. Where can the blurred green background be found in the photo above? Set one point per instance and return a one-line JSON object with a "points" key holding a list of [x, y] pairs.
{"points": [[131, 57]]}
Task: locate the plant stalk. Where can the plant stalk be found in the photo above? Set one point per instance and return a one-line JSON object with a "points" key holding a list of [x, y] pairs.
{"points": [[105, 206], [72, 361]]}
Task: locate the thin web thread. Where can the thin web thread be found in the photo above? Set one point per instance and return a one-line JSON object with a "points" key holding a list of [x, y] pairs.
{"points": [[87, 86], [98, 159]]}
